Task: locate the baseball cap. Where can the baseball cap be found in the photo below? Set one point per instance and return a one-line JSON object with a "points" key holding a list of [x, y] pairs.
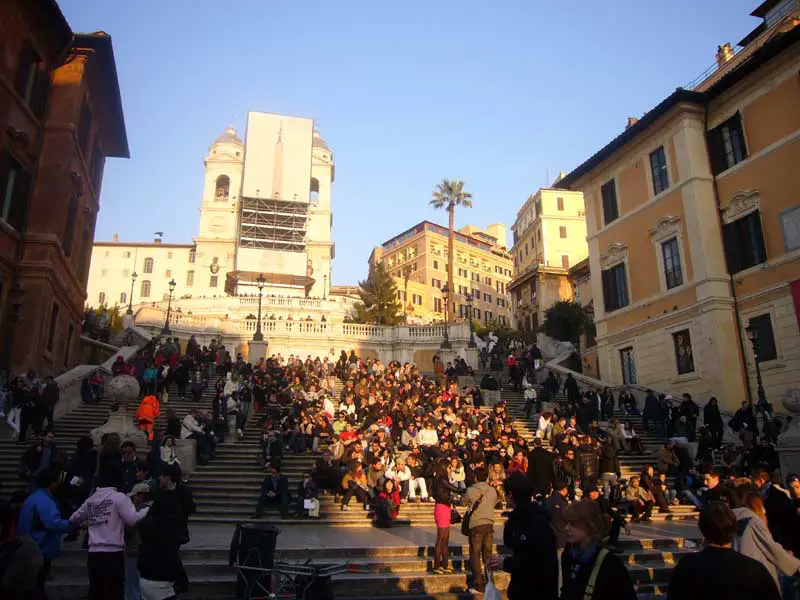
{"points": [[139, 488]]}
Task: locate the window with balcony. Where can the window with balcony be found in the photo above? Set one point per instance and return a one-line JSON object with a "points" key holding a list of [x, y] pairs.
{"points": [[658, 169], [744, 243], [726, 144], [608, 192], [615, 288]]}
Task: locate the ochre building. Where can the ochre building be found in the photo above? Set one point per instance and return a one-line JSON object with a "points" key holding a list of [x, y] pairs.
{"points": [[417, 259], [693, 219]]}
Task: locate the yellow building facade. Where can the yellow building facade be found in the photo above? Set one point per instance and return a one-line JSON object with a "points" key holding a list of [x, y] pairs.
{"points": [[549, 236], [417, 260], [693, 219]]}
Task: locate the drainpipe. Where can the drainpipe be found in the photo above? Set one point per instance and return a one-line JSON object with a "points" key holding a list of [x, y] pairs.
{"points": [[739, 332]]}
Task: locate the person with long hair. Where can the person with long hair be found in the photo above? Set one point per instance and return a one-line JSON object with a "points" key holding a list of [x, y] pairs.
{"points": [[586, 559], [442, 491]]}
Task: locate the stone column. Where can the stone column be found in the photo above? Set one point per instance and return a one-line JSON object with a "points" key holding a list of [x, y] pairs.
{"points": [[257, 351]]}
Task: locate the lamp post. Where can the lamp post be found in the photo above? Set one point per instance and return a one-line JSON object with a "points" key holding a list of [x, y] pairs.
{"points": [[166, 330], [134, 275], [752, 335], [258, 336], [472, 343], [324, 287], [446, 345]]}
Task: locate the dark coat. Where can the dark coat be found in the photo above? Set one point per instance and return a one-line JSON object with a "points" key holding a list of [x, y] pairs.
{"points": [[780, 512], [711, 416], [540, 468], [720, 574], [533, 564], [556, 505], [609, 461], [162, 531], [613, 580]]}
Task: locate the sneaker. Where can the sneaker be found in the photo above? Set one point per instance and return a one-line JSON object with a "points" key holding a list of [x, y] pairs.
{"points": [[439, 571], [474, 591], [449, 570]]}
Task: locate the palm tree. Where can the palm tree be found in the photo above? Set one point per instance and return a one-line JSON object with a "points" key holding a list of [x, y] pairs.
{"points": [[449, 194]]}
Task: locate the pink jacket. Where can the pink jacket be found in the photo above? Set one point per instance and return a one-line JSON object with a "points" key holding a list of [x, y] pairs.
{"points": [[108, 512]]}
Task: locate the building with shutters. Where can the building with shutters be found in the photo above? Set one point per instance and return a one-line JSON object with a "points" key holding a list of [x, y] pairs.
{"points": [[693, 223], [549, 237], [417, 259], [60, 118]]}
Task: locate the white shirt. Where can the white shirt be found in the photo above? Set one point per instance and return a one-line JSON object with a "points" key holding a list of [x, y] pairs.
{"points": [[427, 437]]}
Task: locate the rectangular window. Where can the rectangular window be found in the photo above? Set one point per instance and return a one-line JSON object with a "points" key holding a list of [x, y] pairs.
{"points": [[416, 299], [477, 314], [562, 232], [487, 316], [765, 342], [68, 345], [436, 264], [682, 343], [628, 366], [51, 334], [437, 305], [726, 144], [436, 283], [476, 294], [169, 255], [212, 282], [168, 273], [148, 265], [560, 203], [672, 263], [123, 298], [488, 281], [790, 225], [462, 272], [189, 278], [610, 207], [565, 261], [33, 80], [744, 243], [14, 193], [658, 169], [128, 254], [101, 299], [145, 290], [192, 256], [615, 288]]}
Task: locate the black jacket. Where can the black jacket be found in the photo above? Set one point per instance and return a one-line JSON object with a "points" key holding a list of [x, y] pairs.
{"points": [[556, 505], [442, 490], [613, 581], [720, 574], [780, 512], [162, 532], [609, 461], [540, 468], [533, 564]]}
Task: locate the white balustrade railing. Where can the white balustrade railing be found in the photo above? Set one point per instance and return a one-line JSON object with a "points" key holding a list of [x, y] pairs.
{"points": [[154, 316]]}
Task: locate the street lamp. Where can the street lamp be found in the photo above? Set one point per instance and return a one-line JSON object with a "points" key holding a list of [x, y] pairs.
{"points": [[446, 345], [134, 275], [752, 335], [472, 343], [166, 330], [258, 336]]}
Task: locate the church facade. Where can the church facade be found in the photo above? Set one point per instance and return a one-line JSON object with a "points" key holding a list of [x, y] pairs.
{"points": [[265, 214]]}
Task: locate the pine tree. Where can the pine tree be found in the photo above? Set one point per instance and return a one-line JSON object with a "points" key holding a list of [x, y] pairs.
{"points": [[379, 303]]}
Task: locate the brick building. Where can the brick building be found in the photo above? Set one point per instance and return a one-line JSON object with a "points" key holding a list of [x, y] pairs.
{"points": [[60, 117]]}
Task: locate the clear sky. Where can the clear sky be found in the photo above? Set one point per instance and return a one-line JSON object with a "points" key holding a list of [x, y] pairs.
{"points": [[406, 93]]}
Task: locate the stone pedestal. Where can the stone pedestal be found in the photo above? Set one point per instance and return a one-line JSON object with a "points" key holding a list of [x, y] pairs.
{"points": [[124, 390], [465, 381], [490, 397], [257, 351], [186, 451], [471, 356]]}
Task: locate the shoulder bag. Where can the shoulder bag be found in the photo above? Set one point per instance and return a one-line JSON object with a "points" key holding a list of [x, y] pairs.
{"points": [[465, 520], [598, 562]]}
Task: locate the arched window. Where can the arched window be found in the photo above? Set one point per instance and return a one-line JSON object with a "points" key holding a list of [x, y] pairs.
{"points": [[145, 291], [222, 189], [148, 265], [314, 190]]}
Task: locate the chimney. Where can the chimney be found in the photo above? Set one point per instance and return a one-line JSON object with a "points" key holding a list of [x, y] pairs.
{"points": [[631, 122], [724, 53], [116, 237], [157, 240]]}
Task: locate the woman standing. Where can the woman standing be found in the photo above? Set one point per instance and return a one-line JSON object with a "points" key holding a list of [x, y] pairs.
{"points": [[585, 559], [441, 492], [713, 420]]}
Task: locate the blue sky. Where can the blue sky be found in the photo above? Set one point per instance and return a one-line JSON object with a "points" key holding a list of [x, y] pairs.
{"points": [[405, 93]]}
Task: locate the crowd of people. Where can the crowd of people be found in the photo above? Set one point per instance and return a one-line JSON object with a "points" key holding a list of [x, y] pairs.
{"points": [[392, 436]]}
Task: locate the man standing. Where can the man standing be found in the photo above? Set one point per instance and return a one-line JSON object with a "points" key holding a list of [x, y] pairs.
{"points": [[777, 503], [40, 518], [556, 504], [480, 499], [533, 565], [610, 470], [718, 572], [540, 468]]}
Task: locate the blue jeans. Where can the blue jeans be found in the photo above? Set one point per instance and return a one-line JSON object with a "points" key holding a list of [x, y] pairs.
{"points": [[132, 579]]}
